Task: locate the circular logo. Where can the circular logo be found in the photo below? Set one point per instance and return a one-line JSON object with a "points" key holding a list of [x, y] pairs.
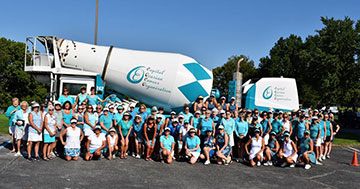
{"points": [[268, 92], [136, 75]]}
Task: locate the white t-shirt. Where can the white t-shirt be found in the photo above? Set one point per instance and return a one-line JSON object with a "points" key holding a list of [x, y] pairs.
{"points": [[184, 132], [96, 142], [73, 137], [112, 139]]}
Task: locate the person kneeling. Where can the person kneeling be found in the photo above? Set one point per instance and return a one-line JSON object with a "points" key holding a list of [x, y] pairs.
{"points": [[223, 148], [112, 143], [74, 136], [306, 149], [257, 148], [209, 147], [271, 149], [192, 146], [288, 151], [95, 145], [167, 144]]}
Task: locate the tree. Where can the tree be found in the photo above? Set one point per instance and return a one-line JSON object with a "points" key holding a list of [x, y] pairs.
{"points": [[14, 81], [223, 74]]}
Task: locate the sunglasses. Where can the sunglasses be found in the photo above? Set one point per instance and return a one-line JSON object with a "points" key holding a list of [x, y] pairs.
{"points": [[50, 110]]}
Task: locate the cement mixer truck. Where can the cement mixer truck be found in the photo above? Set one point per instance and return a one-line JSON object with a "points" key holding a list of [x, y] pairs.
{"points": [[154, 78]]}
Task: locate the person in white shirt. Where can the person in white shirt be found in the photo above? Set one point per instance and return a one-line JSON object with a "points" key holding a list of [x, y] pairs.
{"points": [[112, 143], [183, 133], [95, 145], [74, 136]]}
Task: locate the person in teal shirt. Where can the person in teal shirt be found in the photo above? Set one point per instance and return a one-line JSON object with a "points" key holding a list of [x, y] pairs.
{"points": [[241, 130], [82, 96], [195, 121], [315, 134], [112, 99], [167, 144], [125, 127], [187, 114], [276, 124], [206, 124], [66, 97], [106, 121], [10, 112], [118, 117], [229, 127], [192, 146], [93, 99]]}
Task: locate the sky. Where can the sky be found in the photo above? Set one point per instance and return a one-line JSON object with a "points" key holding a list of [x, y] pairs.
{"points": [[210, 31]]}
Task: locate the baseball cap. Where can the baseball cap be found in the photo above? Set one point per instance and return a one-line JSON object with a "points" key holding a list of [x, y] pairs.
{"points": [[215, 110], [200, 97], [35, 105], [120, 108], [57, 103], [197, 112], [212, 95], [172, 113], [175, 120], [159, 116], [257, 131], [307, 131], [223, 97], [167, 129], [132, 106], [112, 130], [315, 117], [126, 114], [110, 107], [192, 130], [272, 133], [186, 121], [286, 134], [106, 109], [97, 127], [233, 98], [138, 116], [181, 116], [222, 111], [221, 127], [154, 109], [73, 120]]}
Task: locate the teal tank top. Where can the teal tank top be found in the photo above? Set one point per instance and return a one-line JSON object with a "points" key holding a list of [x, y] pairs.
{"points": [[92, 120]]}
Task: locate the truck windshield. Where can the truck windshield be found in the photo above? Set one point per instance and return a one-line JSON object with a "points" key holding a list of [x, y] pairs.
{"points": [[74, 88]]}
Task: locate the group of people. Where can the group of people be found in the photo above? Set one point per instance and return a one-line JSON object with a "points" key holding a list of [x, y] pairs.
{"points": [[208, 131]]}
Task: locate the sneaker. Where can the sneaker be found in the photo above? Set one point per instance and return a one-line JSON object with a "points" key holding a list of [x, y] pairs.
{"points": [[318, 163], [52, 155], [207, 162], [307, 166], [270, 163], [17, 154], [323, 157], [137, 156], [37, 158], [328, 156], [113, 156], [283, 164], [320, 159], [133, 154], [266, 164], [258, 163], [292, 165]]}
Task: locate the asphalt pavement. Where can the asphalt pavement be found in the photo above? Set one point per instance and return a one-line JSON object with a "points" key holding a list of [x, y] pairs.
{"points": [[17, 172]]}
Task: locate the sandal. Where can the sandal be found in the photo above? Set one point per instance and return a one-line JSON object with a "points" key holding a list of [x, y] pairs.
{"points": [[45, 159]]}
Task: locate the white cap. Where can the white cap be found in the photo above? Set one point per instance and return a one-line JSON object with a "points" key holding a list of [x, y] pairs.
{"points": [[233, 98], [57, 103], [35, 105], [222, 111], [316, 110], [182, 116], [73, 121], [215, 110], [223, 97], [221, 127], [173, 112], [197, 112], [167, 129], [138, 116], [159, 115], [175, 120], [315, 117], [106, 109], [111, 106], [132, 106]]}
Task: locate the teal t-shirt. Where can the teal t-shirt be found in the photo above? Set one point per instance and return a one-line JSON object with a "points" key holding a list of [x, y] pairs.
{"points": [[229, 125], [167, 142], [196, 122], [125, 126], [241, 128], [206, 125], [314, 130], [276, 126], [62, 99], [322, 127], [9, 115], [328, 131], [118, 117], [192, 142], [107, 120]]}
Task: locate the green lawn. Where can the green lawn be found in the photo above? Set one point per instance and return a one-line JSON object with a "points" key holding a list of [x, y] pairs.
{"points": [[4, 127], [346, 139]]}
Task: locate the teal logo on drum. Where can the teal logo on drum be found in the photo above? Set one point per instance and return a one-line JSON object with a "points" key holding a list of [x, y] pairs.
{"points": [[136, 75], [268, 92]]}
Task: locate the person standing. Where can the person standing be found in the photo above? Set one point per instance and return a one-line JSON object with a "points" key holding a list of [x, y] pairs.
{"points": [[35, 130], [150, 129], [241, 131], [49, 133], [21, 120], [125, 127], [93, 99], [90, 121], [10, 113], [138, 135], [58, 113], [66, 97], [336, 129], [315, 134], [206, 124], [229, 127], [82, 96], [106, 121]]}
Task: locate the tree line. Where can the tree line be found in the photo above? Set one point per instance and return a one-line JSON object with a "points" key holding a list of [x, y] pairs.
{"points": [[325, 65]]}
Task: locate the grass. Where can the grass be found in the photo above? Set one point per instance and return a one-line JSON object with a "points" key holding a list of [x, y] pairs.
{"points": [[4, 127], [347, 139]]}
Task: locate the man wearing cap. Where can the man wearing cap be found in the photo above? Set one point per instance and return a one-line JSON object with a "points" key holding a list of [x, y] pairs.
{"points": [[167, 146], [192, 146], [95, 144], [35, 130]]}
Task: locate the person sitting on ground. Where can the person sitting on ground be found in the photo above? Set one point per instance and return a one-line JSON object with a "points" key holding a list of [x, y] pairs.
{"points": [[223, 147], [112, 143], [257, 148], [167, 146], [307, 154], [288, 151], [271, 149], [74, 136], [209, 147], [192, 146], [95, 144]]}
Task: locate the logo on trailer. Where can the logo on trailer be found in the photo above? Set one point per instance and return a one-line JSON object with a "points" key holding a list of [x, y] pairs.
{"points": [[136, 75], [268, 92]]}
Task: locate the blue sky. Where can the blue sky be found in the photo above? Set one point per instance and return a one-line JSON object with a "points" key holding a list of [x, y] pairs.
{"points": [[209, 31]]}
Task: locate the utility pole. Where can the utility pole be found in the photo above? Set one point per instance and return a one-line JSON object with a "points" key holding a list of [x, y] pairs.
{"points": [[237, 76], [96, 21]]}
